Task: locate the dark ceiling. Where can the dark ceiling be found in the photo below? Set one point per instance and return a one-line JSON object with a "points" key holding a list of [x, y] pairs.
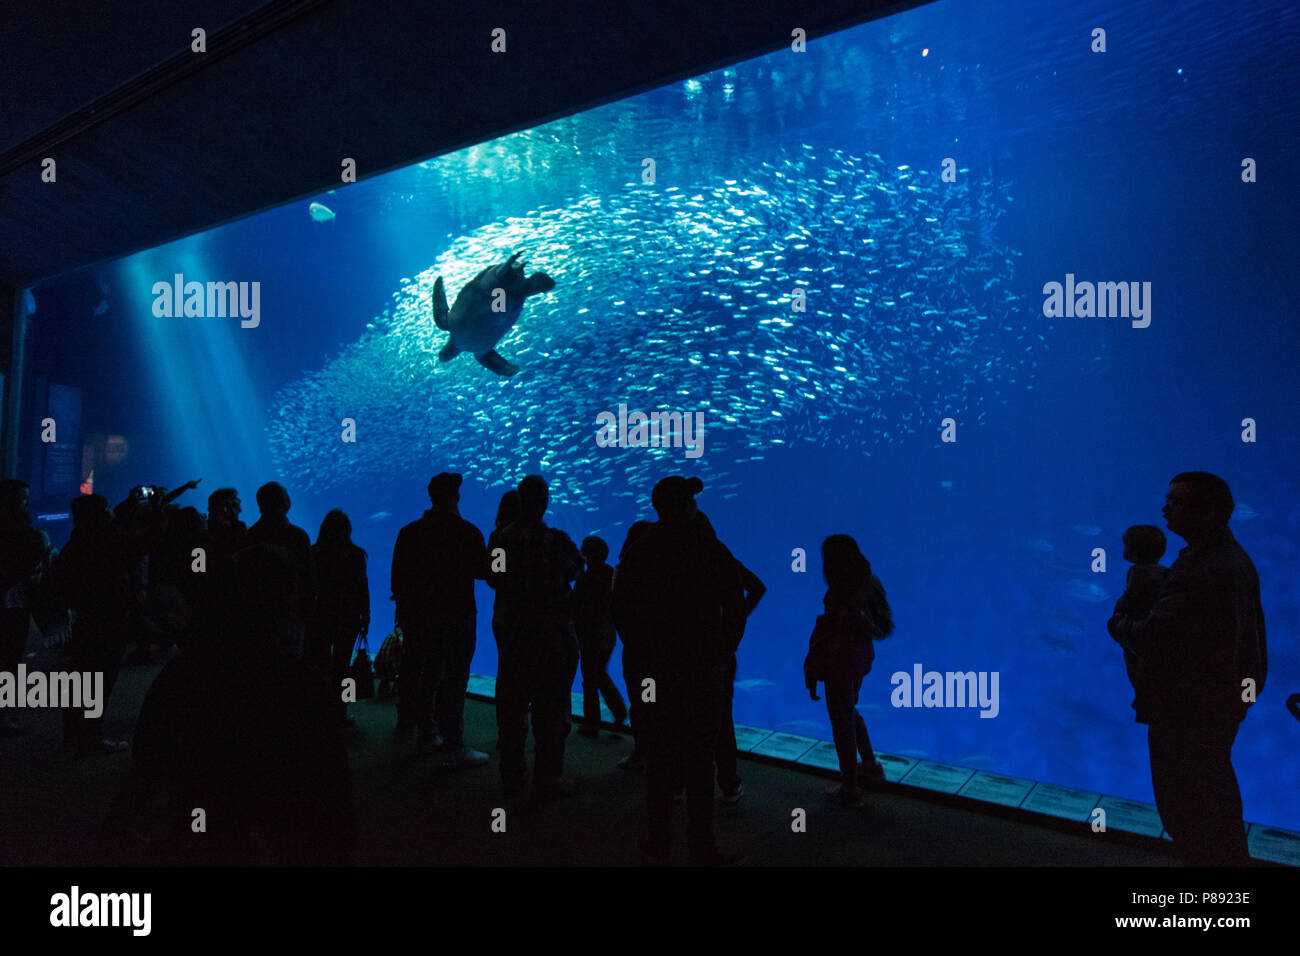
{"points": [[154, 142]]}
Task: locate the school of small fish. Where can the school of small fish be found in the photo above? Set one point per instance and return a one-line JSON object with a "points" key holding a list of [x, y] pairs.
{"points": [[675, 299]]}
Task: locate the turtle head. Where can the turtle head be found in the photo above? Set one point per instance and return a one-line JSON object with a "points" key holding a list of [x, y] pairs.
{"points": [[538, 282]]}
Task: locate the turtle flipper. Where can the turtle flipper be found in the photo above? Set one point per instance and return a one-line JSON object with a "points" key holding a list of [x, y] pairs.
{"points": [[494, 362], [441, 313], [449, 351]]}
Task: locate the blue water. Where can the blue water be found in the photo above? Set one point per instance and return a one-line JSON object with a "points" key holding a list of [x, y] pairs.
{"points": [[818, 171]]}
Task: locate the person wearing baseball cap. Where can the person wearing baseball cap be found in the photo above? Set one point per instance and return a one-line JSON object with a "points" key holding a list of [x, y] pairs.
{"points": [[676, 589]]}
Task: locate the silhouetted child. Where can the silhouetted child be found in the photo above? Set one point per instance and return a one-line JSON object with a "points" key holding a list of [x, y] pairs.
{"points": [[840, 654], [594, 621], [1144, 546]]}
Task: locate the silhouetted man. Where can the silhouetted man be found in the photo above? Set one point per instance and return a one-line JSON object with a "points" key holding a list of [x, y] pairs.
{"points": [[676, 590], [531, 574], [1198, 649], [435, 563], [273, 529]]}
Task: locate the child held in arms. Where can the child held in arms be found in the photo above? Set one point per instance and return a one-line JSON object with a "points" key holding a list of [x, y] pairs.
{"points": [[840, 654], [1144, 546]]}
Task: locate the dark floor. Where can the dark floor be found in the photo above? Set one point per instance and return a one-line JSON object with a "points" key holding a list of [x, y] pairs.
{"points": [[414, 814]]}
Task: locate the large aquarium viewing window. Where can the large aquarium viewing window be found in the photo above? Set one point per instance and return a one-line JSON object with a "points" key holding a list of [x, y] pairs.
{"points": [[969, 297]]}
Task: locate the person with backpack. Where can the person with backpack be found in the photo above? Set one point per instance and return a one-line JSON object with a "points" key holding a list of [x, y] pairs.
{"points": [[388, 662], [840, 654]]}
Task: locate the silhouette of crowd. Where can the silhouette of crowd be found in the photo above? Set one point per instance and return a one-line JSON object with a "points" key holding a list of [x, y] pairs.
{"points": [[247, 718]]}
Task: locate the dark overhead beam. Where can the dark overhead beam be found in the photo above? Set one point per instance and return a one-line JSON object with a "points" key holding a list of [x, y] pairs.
{"points": [[242, 33], [290, 89]]}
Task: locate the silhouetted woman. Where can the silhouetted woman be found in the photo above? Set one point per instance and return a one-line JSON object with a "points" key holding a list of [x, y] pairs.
{"points": [[507, 514], [840, 654], [343, 599]]}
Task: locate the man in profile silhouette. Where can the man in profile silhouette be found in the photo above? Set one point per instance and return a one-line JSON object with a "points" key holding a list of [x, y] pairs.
{"points": [[1203, 662]]}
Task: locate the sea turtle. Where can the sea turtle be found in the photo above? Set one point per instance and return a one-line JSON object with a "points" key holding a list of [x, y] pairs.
{"points": [[472, 324]]}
